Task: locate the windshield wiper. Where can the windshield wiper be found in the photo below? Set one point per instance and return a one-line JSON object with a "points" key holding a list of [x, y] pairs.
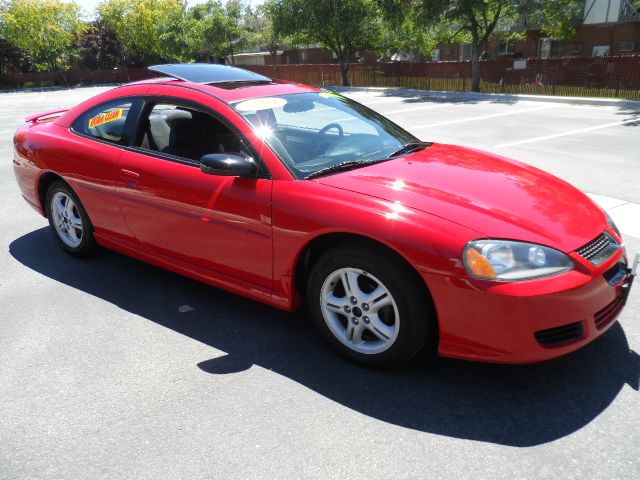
{"points": [[341, 167], [410, 147], [351, 164]]}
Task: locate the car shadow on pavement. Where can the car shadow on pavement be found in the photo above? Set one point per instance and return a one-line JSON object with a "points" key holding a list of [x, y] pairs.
{"points": [[510, 405]]}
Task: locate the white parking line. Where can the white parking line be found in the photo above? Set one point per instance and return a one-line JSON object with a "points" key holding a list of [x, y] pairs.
{"points": [[625, 214], [566, 134], [493, 115], [418, 107], [384, 100]]}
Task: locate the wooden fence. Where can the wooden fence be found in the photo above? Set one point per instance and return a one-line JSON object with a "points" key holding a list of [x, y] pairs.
{"points": [[594, 77], [571, 76]]}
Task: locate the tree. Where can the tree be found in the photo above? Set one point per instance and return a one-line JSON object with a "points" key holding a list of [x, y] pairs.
{"points": [[263, 34], [476, 21], [216, 32], [46, 30], [98, 47], [136, 24], [12, 59], [342, 26], [173, 31], [235, 28]]}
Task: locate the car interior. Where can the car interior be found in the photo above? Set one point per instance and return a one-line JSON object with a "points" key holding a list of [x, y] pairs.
{"points": [[186, 133]]}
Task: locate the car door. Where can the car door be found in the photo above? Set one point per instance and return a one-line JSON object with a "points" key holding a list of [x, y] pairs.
{"points": [[90, 161], [220, 224]]}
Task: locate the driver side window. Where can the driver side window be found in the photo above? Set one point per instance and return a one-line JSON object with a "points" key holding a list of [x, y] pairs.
{"points": [[186, 133]]}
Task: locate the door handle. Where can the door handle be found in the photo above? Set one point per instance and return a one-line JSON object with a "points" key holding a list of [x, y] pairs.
{"points": [[130, 178]]}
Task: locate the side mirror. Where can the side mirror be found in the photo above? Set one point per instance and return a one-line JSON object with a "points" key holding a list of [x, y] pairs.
{"points": [[228, 164]]}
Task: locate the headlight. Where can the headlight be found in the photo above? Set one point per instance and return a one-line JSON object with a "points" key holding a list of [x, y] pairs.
{"points": [[511, 261], [613, 225]]}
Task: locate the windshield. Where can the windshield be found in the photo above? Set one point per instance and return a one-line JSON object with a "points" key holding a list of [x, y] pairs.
{"points": [[311, 132]]}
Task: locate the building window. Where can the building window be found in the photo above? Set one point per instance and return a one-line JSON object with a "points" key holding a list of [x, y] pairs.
{"points": [[549, 47], [628, 46], [435, 55], [465, 51], [574, 48], [601, 50], [506, 47]]}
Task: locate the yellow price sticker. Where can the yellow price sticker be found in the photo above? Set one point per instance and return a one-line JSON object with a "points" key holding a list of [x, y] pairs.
{"points": [[105, 118]]}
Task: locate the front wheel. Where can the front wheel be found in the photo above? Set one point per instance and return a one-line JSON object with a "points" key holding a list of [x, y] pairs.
{"points": [[369, 307]]}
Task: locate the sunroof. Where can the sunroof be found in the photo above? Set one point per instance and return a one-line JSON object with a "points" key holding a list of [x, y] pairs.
{"points": [[208, 73]]}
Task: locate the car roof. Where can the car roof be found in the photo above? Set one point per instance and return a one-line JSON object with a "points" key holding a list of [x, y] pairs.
{"points": [[229, 84], [227, 91], [208, 73]]}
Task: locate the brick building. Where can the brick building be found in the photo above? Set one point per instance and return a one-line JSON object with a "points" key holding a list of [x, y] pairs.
{"points": [[605, 27], [299, 55]]}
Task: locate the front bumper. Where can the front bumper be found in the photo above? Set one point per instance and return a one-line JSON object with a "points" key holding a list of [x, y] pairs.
{"points": [[530, 321]]}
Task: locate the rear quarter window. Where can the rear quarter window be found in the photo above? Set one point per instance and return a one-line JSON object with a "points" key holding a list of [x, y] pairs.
{"points": [[107, 122]]}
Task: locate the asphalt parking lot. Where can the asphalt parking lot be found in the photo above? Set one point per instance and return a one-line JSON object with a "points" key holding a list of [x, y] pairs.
{"points": [[111, 368]]}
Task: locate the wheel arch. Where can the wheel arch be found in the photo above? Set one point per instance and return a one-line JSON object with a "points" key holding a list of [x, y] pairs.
{"points": [[44, 182], [320, 244], [317, 246]]}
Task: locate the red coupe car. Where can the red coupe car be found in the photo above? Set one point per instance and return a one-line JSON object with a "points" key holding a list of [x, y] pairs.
{"points": [[283, 193]]}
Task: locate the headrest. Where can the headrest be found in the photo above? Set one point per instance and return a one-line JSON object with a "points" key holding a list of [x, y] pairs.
{"points": [[186, 133]]}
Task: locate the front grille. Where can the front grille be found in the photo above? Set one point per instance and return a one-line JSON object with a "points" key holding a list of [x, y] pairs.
{"points": [[599, 249], [609, 313], [557, 336]]}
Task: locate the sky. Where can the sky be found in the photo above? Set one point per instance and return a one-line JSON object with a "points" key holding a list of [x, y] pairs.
{"points": [[89, 6]]}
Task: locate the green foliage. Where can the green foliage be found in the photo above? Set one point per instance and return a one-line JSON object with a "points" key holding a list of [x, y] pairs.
{"points": [[216, 31], [342, 26], [46, 30], [477, 21], [262, 33], [173, 36], [141, 26]]}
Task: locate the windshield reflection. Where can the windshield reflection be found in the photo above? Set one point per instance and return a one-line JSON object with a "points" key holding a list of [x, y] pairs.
{"points": [[313, 132]]}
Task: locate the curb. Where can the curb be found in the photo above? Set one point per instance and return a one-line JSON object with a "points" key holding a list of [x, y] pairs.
{"points": [[494, 97]]}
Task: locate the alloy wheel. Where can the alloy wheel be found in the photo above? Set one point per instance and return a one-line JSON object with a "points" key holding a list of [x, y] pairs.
{"points": [[359, 310], [67, 219]]}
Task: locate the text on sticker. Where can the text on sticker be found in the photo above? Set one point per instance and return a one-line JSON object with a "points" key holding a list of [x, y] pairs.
{"points": [[105, 118]]}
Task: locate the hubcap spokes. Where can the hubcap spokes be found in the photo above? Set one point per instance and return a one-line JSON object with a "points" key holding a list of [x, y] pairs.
{"points": [[66, 219], [359, 310]]}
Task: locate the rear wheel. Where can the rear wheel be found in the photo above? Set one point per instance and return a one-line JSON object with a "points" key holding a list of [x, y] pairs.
{"points": [[370, 307], [68, 221]]}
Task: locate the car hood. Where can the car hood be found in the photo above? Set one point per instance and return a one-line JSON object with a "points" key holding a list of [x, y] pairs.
{"points": [[495, 196]]}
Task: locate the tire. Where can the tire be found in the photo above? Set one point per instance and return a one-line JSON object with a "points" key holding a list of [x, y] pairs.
{"points": [[385, 320], [69, 222]]}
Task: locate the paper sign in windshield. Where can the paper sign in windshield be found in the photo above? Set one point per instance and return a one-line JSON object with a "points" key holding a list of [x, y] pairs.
{"points": [[105, 118], [261, 104]]}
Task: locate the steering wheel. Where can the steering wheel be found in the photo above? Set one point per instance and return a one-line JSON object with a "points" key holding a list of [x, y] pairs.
{"points": [[326, 128]]}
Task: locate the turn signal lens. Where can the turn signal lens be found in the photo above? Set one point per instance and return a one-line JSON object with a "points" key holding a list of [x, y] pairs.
{"points": [[478, 265]]}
